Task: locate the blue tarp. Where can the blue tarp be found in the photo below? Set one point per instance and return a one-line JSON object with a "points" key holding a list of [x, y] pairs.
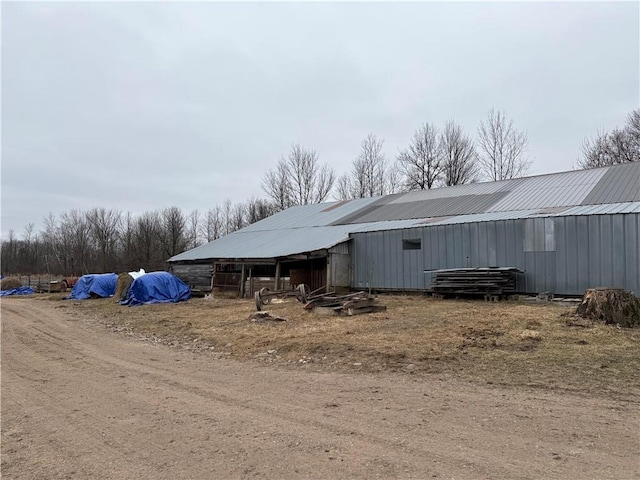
{"points": [[157, 287], [17, 291], [102, 285]]}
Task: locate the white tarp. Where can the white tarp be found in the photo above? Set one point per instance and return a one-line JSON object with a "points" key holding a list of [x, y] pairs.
{"points": [[135, 275]]}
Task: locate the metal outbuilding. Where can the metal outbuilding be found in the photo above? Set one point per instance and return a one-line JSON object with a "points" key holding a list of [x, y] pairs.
{"points": [[567, 231]]}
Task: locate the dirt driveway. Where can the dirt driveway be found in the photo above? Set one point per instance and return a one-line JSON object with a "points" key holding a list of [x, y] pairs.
{"points": [[81, 402]]}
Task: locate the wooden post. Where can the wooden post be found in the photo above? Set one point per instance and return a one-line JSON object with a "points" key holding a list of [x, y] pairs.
{"points": [[277, 285], [242, 279], [213, 277], [250, 283]]}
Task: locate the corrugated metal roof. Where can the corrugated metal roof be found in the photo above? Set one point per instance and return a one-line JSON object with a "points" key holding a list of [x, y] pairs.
{"points": [[310, 215], [268, 243], [557, 190], [564, 189], [628, 207], [434, 207], [455, 191], [620, 184], [309, 228]]}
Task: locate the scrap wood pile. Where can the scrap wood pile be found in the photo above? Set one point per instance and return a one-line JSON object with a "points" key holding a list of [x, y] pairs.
{"points": [[351, 304], [469, 281], [610, 305], [326, 303]]}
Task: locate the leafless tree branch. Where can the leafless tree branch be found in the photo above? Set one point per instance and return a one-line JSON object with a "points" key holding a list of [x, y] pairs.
{"points": [[459, 158], [421, 162], [502, 148]]}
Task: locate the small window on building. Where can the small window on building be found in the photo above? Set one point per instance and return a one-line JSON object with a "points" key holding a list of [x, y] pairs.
{"points": [[539, 235], [412, 244]]}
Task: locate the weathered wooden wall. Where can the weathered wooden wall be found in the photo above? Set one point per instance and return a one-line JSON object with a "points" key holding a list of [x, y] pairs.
{"points": [[254, 284], [196, 275]]}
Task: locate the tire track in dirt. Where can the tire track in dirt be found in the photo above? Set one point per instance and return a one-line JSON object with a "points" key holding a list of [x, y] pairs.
{"points": [[169, 414], [239, 406]]}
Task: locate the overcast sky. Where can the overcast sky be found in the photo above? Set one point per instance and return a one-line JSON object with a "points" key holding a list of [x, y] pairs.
{"points": [[140, 106]]}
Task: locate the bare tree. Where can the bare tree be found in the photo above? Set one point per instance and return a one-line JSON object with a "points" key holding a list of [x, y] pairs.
{"points": [[258, 209], [238, 217], [28, 255], [633, 125], [226, 217], [344, 187], [393, 178], [421, 162], [612, 148], [212, 228], [370, 168], [324, 181], [502, 148], [9, 254], [299, 179], [127, 243], [173, 231], [632, 128], [104, 226], [75, 247], [596, 152], [193, 229], [277, 185], [369, 176], [459, 158], [29, 232], [310, 182], [50, 240], [149, 248]]}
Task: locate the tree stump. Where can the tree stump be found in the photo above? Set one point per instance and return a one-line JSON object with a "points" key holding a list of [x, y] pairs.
{"points": [[611, 305]]}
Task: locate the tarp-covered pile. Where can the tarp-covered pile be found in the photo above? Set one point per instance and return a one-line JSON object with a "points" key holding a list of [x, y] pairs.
{"points": [[100, 285], [17, 291], [157, 287]]}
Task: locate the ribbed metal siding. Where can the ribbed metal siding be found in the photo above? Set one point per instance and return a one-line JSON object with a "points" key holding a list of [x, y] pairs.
{"points": [[341, 248], [586, 251]]}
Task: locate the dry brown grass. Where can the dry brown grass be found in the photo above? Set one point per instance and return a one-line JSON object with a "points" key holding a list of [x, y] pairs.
{"points": [[507, 343]]}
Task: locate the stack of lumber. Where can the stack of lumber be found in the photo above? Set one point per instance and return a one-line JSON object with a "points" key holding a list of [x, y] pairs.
{"points": [[475, 281], [352, 304]]}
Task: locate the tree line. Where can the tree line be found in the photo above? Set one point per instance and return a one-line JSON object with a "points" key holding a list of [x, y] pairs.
{"points": [[433, 158], [620, 145], [108, 240], [105, 240]]}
